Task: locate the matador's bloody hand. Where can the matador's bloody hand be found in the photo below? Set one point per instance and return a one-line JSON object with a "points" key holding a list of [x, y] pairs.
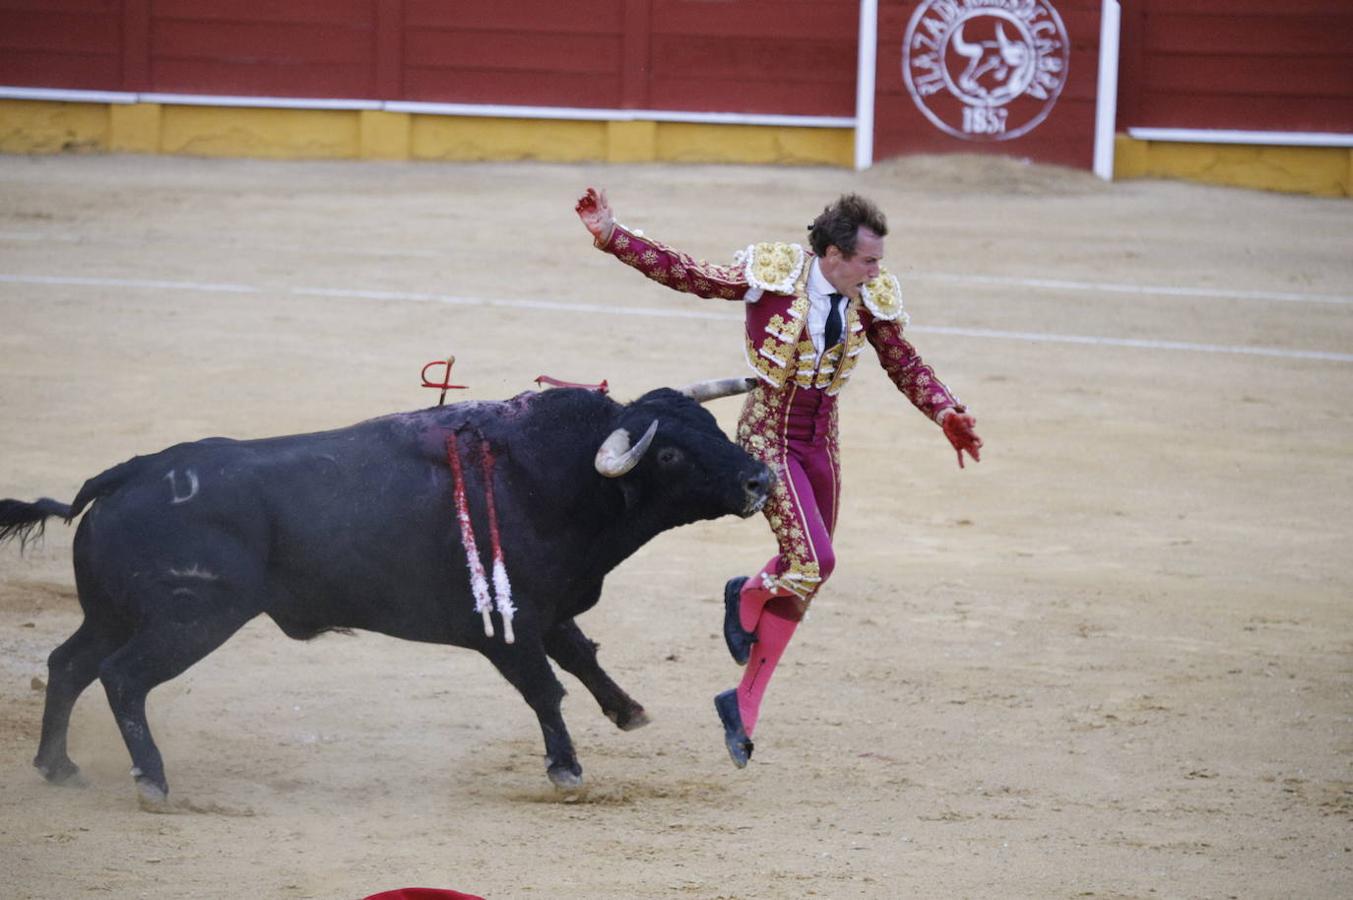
{"points": [[596, 213], [959, 428]]}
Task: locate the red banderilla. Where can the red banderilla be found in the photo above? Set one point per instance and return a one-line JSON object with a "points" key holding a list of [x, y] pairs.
{"points": [[445, 384], [555, 382], [501, 590]]}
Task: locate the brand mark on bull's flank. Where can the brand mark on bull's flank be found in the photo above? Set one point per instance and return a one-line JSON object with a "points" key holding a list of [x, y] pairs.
{"points": [[985, 70], [182, 493]]}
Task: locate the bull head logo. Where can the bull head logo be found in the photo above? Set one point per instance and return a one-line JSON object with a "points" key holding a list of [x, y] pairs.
{"points": [[1008, 65]]}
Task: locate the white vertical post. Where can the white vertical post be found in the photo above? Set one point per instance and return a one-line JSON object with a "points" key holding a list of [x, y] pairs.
{"points": [[866, 60], [1106, 96]]}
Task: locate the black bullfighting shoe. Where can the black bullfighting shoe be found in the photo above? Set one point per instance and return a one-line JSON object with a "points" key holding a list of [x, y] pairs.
{"points": [[739, 745], [738, 639]]}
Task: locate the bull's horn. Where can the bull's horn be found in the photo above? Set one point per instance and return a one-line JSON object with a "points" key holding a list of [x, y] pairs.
{"points": [[704, 391], [1011, 52], [615, 457], [971, 51]]}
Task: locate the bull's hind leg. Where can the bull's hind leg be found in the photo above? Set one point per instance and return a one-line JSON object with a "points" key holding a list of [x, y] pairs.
{"points": [[70, 669], [191, 623], [525, 666], [577, 655]]}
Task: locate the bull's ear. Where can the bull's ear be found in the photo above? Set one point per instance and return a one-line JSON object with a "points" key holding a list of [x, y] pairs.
{"points": [[615, 456], [704, 391]]}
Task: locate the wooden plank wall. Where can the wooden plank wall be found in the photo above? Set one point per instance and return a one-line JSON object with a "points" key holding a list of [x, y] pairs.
{"points": [[61, 43], [311, 48], [1223, 64], [767, 56], [759, 56], [526, 52], [1256, 65]]}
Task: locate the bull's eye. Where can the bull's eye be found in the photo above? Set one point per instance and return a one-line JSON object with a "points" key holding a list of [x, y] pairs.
{"points": [[669, 456]]}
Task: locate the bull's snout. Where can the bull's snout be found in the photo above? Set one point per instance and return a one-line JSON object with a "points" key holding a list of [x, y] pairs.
{"points": [[757, 488]]}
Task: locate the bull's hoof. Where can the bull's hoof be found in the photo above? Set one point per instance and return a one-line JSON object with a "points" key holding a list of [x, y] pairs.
{"points": [[566, 778], [63, 772], [152, 797], [637, 719], [630, 719]]}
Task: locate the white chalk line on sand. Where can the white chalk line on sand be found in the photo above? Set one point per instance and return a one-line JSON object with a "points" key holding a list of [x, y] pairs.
{"points": [[556, 306], [1053, 284], [1159, 290], [196, 286]]}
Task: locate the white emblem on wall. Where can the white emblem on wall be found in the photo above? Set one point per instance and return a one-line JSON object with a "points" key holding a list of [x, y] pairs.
{"points": [[985, 70]]}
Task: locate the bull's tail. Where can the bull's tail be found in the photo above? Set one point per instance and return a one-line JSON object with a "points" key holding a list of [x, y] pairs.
{"points": [[105, 483], [21, 520], [27, 521]]}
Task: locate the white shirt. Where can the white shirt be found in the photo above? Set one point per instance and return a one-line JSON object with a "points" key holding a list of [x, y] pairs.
{"points": [[819, 306]]}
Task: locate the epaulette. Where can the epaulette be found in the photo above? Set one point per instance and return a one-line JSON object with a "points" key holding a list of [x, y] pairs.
{"points": [[883, 296], [771, 267]]}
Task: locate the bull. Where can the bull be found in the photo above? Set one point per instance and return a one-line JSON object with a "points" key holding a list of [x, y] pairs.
{"points": [[372, 527]]}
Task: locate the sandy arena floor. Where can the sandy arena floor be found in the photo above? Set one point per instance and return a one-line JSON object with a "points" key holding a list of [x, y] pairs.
{"points": [[1112, 660]]}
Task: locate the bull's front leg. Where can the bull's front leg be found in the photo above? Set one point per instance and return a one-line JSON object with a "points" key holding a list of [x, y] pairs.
{"points": [[577, 655], [524, 665]]}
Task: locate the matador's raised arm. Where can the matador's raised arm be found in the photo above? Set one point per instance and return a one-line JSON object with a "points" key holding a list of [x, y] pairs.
{"points": [[659, 262]]}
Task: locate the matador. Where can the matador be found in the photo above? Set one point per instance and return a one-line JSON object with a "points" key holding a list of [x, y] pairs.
{"points": [[809, 313]]}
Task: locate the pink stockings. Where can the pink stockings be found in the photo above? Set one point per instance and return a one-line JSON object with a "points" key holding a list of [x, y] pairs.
{"points": [[775, 626]]}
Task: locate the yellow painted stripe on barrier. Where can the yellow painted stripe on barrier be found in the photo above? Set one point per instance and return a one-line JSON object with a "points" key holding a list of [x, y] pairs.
{"points": [[1322, 171], [50, 126], [46, 126], [42, 126]]}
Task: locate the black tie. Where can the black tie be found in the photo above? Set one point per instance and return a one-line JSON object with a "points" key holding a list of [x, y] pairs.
{"points": [[832, 335]]}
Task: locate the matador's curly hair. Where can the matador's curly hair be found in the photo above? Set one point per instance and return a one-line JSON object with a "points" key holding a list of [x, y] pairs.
{"points": [[839, 223]]}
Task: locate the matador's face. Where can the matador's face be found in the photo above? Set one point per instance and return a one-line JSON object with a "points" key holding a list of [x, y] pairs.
{"points": [[847, 273]]}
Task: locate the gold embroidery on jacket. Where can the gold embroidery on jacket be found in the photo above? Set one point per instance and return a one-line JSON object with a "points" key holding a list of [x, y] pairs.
{"points": [[785, 331], [760, 366], [779, 360], [781, 342]]}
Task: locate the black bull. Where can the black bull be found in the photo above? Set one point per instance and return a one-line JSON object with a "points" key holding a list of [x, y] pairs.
{"points": [[357, 529]]}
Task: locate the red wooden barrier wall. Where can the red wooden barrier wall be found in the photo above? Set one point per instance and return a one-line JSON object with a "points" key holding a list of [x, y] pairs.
{"points": [[535, 53], [61, 43], [764, 56], [317, 48], [1260, 65], [1211, 64], [793, 57]]}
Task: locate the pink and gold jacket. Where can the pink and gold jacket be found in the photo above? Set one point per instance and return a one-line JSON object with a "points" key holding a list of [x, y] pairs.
{"points": [[772, 280]]}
